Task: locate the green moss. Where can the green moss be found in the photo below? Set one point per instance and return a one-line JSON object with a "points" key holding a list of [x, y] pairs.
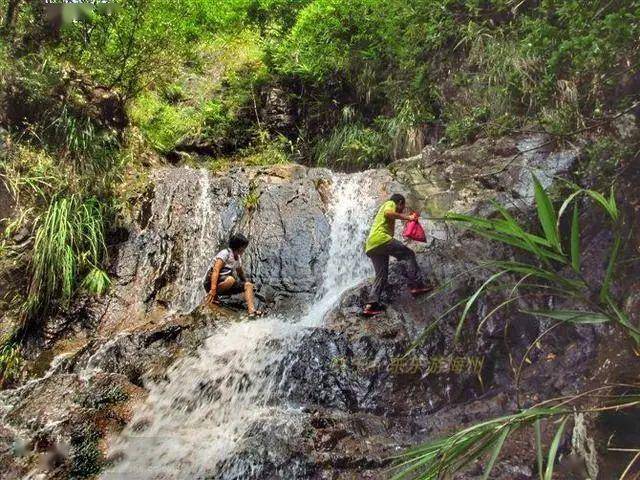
{"points": [[251, 200], [86, 458]]}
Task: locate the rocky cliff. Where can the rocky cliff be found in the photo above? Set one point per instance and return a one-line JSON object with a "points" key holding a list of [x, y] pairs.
{"points": [[356, 399]]}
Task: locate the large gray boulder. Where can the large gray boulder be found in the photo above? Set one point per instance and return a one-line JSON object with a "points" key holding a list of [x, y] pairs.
{"points": [[188, 215]]}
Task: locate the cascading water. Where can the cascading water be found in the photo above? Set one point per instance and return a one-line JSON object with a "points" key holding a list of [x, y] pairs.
{"points": [[196, 266], [195, 423]]}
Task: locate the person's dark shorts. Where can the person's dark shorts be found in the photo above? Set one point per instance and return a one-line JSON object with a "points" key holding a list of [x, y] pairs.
{"points": [[237, 287]]}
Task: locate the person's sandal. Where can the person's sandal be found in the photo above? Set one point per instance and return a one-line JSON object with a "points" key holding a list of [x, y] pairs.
{"points": [[256, 314]]}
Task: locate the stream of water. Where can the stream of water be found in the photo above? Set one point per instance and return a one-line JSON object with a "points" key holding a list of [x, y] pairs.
{"points": [[196, 423]]}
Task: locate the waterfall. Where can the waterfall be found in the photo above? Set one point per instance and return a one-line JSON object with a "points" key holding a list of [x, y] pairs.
{"points": [[195, 422], [195, 266]]}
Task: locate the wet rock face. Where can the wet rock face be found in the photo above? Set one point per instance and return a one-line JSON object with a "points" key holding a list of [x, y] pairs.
{"points": [[188, 216], [289, 231], [358, 405], [464, 179]]}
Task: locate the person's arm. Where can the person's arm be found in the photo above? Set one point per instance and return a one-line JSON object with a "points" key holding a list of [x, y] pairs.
{"points": [[400, 216], [215, 275]]}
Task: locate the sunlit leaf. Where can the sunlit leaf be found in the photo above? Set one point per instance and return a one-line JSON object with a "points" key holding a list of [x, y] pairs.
{"points": [[546, 214]]}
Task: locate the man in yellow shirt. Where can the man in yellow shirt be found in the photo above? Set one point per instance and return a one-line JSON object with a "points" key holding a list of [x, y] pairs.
{"points": [[381, 245]]}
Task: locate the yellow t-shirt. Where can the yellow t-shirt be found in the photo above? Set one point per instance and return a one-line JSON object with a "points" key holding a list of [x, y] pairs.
{"points": [[383, 228]]}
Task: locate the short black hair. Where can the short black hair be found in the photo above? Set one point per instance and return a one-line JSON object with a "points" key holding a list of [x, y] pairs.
{"points": [[238, 241], [397, 198]]}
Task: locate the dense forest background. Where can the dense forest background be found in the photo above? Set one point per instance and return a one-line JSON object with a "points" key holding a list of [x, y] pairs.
{"points": [[90, 102]]}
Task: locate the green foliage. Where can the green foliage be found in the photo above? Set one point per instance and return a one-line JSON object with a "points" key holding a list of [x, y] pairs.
{"points": [[97, 281], [550, 262], [69, 241], [352, 145], [90, 146], [30, 173], [216, 102], [465, 126], [137, 44], [451, 454], [448, 455], [162, 123], [51, 114], [252, 199], [601, 159], [267, 151], [10, 359]]}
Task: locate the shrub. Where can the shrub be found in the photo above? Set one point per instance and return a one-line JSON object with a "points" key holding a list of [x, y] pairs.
{"points": [[163, 123], [69, 242], [141, 43], [553, 268], [352, 145]]}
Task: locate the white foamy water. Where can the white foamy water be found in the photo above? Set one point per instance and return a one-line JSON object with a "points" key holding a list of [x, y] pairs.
{"points": [[194, 423], [196, 263]]}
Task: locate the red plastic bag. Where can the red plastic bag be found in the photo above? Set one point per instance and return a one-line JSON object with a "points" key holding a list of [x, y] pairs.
{"points": [[414, 231]]}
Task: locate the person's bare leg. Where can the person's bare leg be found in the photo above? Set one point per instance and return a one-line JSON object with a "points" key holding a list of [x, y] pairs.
{"points": [[226, 285], [249, 297]]}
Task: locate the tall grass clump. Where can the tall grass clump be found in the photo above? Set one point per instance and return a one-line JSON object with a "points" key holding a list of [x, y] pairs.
{"points": [[69, 245], [352, 145]]}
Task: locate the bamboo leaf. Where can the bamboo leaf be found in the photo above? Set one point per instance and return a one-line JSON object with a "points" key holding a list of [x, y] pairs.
{"points": [[566, 204], [604, 203], [553, 450], [472, 300], [608, 276], [613, 208], [496, 451], [623, 319], [572, 316], [546, 214], [536, 426], [575, 239]]}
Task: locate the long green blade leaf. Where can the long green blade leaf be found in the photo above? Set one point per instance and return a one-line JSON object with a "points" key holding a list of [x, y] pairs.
{"points": [[553, 449], [536, 426], [572, 316], [604, 203], [546, 214], [575, 239], [566, 204], [496, 451], [472, 300]]}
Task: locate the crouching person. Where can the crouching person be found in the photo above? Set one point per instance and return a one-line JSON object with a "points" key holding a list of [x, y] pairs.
{"points": [[226, 276]]}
